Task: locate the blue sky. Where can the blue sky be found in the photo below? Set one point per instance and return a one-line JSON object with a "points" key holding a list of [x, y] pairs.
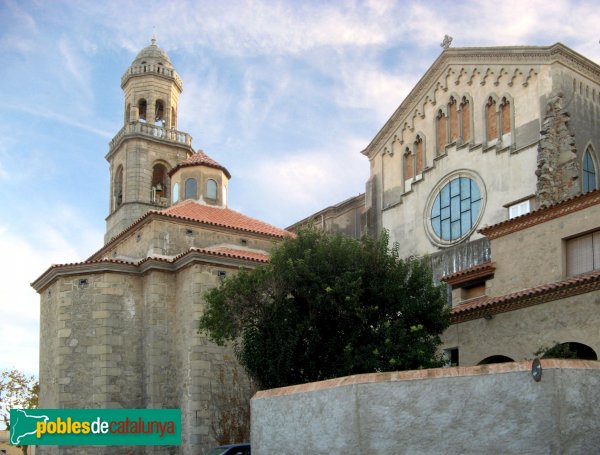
{"points": [[284, 94]]}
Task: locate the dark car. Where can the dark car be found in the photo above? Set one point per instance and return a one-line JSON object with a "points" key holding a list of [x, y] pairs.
{"points": [[230, 449]]}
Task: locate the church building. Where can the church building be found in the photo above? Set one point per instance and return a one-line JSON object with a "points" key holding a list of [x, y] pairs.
{"points": [[489, 168], [120, 330]]}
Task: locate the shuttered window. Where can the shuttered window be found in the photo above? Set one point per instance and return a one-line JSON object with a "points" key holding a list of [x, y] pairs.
{"points": [[583, 253]]}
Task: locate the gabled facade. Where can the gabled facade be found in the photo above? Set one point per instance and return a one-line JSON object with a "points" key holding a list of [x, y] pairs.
{"points": [[486, 137]]}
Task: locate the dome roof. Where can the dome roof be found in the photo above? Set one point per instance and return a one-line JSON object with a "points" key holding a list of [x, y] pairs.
{"points": [[152, 54], [200, 159]]}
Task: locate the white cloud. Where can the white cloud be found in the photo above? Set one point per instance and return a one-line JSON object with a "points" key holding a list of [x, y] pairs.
{"points": [[59, 235]]}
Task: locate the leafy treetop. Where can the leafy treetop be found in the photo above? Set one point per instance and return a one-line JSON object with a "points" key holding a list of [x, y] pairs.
{"points": [[327, 306]]}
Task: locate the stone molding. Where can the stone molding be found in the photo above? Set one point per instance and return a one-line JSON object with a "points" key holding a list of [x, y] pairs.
{"points": [[192, 256], [497, 56]]}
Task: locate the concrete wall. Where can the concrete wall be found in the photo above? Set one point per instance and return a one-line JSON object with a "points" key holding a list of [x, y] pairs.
{"points": [[492, 409]]}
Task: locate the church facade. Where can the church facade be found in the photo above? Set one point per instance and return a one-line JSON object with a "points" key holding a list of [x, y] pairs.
{"points": [[120, 330], [489, 167]]}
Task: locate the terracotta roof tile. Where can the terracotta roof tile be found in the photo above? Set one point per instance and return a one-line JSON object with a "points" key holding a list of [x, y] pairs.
{"points": [[526, 297], [238, 254], [483, 270], [200, 159], [217, 216]]}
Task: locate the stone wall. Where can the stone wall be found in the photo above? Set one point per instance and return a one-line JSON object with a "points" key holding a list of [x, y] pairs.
{"points": [[491, 409]]}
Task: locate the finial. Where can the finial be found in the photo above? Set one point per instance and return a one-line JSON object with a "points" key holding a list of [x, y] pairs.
{"points": [[446, 42], [153, 39]]}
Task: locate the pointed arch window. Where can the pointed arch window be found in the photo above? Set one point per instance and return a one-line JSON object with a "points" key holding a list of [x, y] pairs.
{"points": [[453, 114], [211, 189], [589, 172], [142, 109], [442, 134], [191, 189], [465, 112], [419, 155], [408, 164], [505, 111], [491, 120]]}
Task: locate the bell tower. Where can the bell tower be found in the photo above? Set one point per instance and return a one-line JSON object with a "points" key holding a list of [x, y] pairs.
{"points": [[149, 145]]}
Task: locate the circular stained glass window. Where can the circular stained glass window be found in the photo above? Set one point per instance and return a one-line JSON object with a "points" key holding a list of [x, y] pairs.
{"points": [[456, 209]]}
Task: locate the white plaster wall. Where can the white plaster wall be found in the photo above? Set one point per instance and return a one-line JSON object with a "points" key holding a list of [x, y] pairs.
{"points": [[492, 409]]}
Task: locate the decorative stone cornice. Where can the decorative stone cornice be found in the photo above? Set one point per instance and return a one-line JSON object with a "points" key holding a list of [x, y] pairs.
{"points": [[542, 215], [489, 306], [514, 56], [192, 256]]}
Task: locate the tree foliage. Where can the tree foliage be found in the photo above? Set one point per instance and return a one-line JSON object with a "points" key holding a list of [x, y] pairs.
{"points": [[327, 306], [17, 390]]}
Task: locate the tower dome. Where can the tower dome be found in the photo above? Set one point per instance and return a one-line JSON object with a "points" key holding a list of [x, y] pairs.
{"points": [[152, 55]]}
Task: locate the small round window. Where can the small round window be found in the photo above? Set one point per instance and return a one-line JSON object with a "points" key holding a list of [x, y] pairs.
{"points": [[456, 209]]}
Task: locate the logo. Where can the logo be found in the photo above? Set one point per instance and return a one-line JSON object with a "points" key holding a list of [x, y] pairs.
{"points": [[95, 427]]}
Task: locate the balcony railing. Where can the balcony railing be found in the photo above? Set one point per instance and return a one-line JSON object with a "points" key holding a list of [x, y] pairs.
{"points": [[149, 130], [151, 68]]}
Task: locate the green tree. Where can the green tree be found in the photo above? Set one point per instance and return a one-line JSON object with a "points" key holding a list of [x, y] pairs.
{"points": [[327, 306], [17, 390]]}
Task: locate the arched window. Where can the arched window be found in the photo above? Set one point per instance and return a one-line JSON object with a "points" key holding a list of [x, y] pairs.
{"points": [[118, 187], [465, 112], [419, 154], [142, 108], [191, 189], [570, 350], [589, 172], [495, 359], [442, 135], [211, 189], [505, 110], [453, 114], [160, 183], [127, 113], [159, 113], [491, 120], [175, 193], [408, 164], [173, 118]]}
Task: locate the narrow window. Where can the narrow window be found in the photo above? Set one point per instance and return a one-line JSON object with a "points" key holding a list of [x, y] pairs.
{"points": [[408, 164], [118, 187], [191, 189], [175, 193], [419, 152], [442, 135], [159, 113], [505, 107], [173, 118], [211, 189], [127, 113], [142, 105], [453, 113], [589, 172], [492, 120], [160, 183], [465, 111]]}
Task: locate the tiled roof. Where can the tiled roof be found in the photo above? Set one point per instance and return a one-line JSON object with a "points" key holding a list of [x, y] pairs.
{"points": [[217, 216], [476, 308], [542, 215], [238, 254], [483, 270], [200, 159]]}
